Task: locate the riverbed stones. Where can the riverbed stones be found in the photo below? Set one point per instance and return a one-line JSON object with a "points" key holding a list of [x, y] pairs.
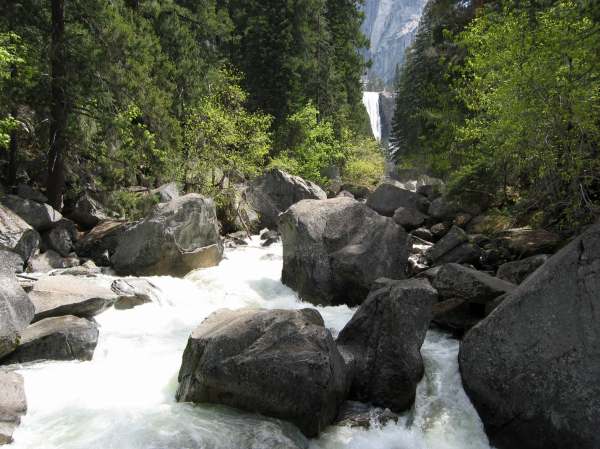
{"points": [[13, 404], [518, 270], [11, 261], [16, 235], [391, 195], [61, 237], [275, 191], [409, 218], [56, 338], [134, 292], [176, 238], [39, 216], [531, 368], [70, 295], [281, 363], [333, 250], [16, 311], [382, 343]]}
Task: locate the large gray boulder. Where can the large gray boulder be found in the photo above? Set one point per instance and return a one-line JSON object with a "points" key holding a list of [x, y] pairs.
{"points": [[281, 363], [382, 343], [531, 368], [457, 281], [167, 192], [16, 310], [176, 238], [50, 260], [39, 216], [333, 250], [16, 235], [518, 270], [11, 261], [70, 295], [61, 238], [13, 404], [56, 338], [409, 218], [275, 191], [391, 195]]}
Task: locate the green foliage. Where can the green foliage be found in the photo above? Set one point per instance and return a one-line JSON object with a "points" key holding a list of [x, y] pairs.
{"points": [[365, 163], [9, 58], [312, 146], [508, 106], [221, 138], [131, 205]]}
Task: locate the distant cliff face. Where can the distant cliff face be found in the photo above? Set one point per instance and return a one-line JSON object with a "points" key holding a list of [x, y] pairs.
{"points": [[390, 26]]}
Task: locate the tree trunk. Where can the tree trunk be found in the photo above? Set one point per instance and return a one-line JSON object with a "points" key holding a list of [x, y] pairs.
{"points": [[12, 160], [59, 110]]}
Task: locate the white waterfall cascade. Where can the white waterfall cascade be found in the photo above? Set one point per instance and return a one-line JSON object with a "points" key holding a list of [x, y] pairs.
{"points": [[371, 102], [124, 397]]}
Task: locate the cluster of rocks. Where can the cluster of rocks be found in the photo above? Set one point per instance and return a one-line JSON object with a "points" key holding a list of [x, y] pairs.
{"points": [[286, 363]]}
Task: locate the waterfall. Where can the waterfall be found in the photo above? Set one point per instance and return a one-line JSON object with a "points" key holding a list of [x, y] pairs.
{"points": [[124, 397], [371, 102]]}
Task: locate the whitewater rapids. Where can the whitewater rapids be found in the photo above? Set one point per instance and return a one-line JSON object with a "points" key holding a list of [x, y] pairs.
{"points": [[124, 397]]}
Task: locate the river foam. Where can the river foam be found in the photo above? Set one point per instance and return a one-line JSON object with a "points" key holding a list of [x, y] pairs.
{"points": [[124, 397]]}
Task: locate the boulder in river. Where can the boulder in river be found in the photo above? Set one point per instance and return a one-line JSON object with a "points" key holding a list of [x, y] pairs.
{"points": [[457, 281], [39, 216], [16, 235], [11, 261], [134, 292], [16, 311], [70, 295], [275, 191], [56, 338], [333, 250], [13, 404], [391, 195], [382, 343], [281, 363], [61, 237], [518, 270], [176, 238], [531, 368], [409, 218]]}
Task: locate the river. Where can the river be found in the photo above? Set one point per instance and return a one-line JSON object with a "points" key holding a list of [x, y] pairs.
{"points": [[124, 397]]}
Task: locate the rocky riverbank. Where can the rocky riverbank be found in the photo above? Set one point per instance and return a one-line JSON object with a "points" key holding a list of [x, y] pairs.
{"points": [[411, 260]]}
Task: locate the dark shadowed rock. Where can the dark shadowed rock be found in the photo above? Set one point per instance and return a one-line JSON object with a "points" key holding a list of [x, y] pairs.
{"points": [[409, 218], [423, 233], [382, 343], [463, 253], [70, 295], [275, 191], [391, 195], [457, 281], [359, 192], [177, 237], [87, 211], [57, 338], [333, 250], [61, 237], [527, 242], [39, 216], [13, 404], [281, 363], [456, 315], [517, 271], [441, 208], [28, 193], [439, 230], [531, 368], [455, 237], [101, 242], [16, 310], [16, 235]]}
